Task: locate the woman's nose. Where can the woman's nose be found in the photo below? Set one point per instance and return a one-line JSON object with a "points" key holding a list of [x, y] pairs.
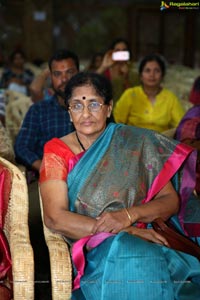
{"points": [[86, 111], [64, 77]]}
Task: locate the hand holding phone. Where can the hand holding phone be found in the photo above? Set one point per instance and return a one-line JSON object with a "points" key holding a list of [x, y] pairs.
{"points": [[121, 56]]}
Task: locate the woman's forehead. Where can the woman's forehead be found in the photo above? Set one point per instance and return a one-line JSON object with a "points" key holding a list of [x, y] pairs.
{"points": [[152, 63], [85, 89]]}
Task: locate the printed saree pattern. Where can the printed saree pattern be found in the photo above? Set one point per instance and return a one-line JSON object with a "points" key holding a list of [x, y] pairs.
{"points": [[146, 161]]}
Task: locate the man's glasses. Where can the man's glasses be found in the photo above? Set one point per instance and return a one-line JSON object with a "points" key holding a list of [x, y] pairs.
{"points": [[92, 107]]}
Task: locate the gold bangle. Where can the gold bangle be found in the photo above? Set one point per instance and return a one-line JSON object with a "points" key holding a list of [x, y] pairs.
{"points": [[128, 215]]}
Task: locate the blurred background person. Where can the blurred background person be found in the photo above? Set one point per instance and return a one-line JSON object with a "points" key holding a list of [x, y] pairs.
{"points": [[47, 119], [119, 71], [41, 87], [188, 132], [195, 92], [16, 77], [149, 105], [95, 62]]}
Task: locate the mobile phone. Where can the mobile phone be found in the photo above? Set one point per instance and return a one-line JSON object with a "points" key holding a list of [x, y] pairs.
{"points": [[121, 55]]}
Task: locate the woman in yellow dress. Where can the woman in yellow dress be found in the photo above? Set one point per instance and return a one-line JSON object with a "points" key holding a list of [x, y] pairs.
{"points": [[149, 105]]}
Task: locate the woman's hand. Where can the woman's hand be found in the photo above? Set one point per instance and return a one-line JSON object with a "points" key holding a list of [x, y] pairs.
{"points": [[107, 62], [114, 222], [107, 59], [147, 234]]}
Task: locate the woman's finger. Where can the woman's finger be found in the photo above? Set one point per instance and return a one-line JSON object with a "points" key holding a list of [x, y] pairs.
{"points": [[161, 239]]}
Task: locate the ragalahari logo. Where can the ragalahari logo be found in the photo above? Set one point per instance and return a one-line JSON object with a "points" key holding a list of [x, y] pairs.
{"points": [[179, 5], [164, 5]]}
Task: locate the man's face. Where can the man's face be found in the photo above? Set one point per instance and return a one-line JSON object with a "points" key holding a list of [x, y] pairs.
{"points": [[61, 72]]}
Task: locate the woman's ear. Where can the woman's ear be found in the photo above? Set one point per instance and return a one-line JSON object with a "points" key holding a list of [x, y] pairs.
{"points": [[110, 107], [70, 116]]}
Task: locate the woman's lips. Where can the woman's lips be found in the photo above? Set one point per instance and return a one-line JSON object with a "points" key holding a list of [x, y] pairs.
{"points": [[86, 123]]}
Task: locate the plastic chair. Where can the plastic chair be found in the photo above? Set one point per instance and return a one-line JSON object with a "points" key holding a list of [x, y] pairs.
{"points": [[60, 263], [17, 232]]}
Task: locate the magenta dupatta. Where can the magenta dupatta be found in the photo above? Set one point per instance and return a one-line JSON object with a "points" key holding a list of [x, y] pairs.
{"points": [[5, 258]]}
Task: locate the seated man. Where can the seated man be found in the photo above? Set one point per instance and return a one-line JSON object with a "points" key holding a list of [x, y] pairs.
{"points": [[47, 119]]}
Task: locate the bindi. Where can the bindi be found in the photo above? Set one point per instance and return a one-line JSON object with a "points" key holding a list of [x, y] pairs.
{"points": [[83, 97]]}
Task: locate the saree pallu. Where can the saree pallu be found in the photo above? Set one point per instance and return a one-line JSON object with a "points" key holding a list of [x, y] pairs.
{"points": [[128, 166]]}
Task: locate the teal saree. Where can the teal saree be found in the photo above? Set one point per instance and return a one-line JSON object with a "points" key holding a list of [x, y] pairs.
{"points": [[128, 166]]}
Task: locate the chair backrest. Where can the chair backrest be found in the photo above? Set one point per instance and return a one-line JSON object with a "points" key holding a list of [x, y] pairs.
{"points": [[15, 113], [16, 230], [33, 68], [6, 147], [60, 263]]}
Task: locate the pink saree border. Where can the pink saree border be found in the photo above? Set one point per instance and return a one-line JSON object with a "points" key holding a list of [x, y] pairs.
{"points": [[90, 241], [170, 167]]}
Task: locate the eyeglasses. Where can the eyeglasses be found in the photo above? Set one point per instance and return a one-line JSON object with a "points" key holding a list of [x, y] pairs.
{"points": [[92, 107]]}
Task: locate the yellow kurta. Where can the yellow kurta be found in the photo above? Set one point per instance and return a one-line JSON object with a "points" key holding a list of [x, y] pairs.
{"points": [[134, 108]]}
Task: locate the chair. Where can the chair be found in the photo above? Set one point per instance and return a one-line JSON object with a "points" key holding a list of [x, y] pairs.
{"points": [[33, 68], [17, 232], [60, 263], [16, 110]]}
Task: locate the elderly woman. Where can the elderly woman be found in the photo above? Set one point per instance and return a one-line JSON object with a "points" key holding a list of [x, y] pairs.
{"points": [[102, 186], [149, 105]]}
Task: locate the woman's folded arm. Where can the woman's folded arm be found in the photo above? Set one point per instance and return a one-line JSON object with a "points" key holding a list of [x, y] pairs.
{"points": [[57, 217]]}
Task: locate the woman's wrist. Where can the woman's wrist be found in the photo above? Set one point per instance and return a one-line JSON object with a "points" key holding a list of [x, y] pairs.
{"points": [[132, 212], [130, 230], [128, 215], [101, 69]]}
